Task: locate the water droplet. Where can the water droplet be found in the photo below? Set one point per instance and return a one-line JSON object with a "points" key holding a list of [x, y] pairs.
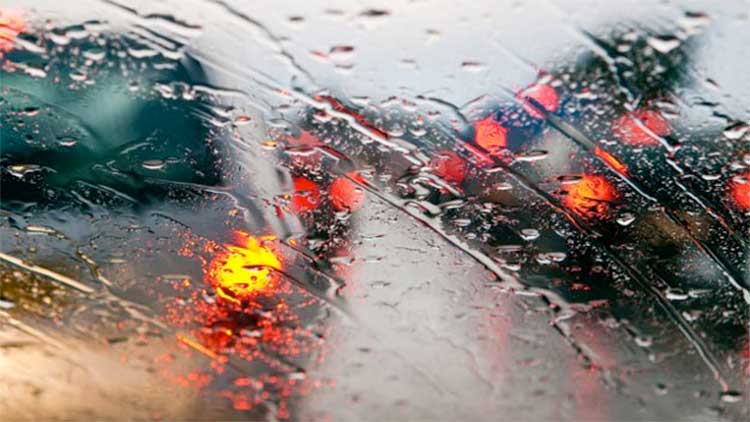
{"points": [[472, 66], [736, 131], [40, 229], [142, 53], [533, 155], [20, 170], [699, 292], [94, 54], [626, 219], [503, 186], [31, 111], [375, 13], [67, 141], [692, 22], [242, 120], [557, 256], [661, 389], [676, 294], [731, 396], [529, 234], [462, 222], [58, 37], [569, 179], [664, 43], [341, 50], [692, 315], [153, 164], [644, 341], [77, 76]]}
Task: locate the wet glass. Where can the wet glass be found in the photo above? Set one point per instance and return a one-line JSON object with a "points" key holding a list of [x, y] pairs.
{"points": [[420, 210]]}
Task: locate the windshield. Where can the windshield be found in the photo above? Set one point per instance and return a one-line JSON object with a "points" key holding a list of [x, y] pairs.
{"points": [[420, 210]]}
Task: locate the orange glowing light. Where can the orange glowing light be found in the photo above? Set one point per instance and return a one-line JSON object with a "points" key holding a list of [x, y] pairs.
{"points": [[490, 134], [11, 24], [346, 195], [590, 197], [629, 127], [306, 195], [739, 190], [543, 94], [611, 160], [244, 269], [449, 166]]}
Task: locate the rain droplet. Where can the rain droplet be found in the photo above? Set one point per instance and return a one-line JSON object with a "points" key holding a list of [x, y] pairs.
{"points": [[699, 292], [692, 22], [67, 141], [153, 164], [529, 234], [21, 170], [509, 248], [94, 54], [557, 256], [644, 341], [569, 179], [78, 76], [40, 229], [503, 186], [626, 219], [736, 131], [343, 50], [462, 222], [534, 155], [142, 53], [58, 38], [470, 66], [676, 294], [661, 389], [691, 315], [31, 111], [242, 120], [731, 396], [664, 44], [375, 13]]}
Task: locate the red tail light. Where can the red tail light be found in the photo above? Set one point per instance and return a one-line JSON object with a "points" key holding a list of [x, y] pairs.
{"points": [[542, 94], [306, 196], [629, 127], [346, 195], [11, 24], [739, 191], [490, 134], [449, 166], [590, 197]]}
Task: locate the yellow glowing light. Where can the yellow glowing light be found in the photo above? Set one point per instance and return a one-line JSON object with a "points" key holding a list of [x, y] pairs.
{"points": [[244, 269]]}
